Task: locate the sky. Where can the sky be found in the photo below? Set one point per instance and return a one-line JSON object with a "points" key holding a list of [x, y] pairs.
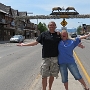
{"points": [[44, 7]]}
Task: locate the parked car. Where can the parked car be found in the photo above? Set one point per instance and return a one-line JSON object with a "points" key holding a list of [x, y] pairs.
{"points": [[17, 38], [73, 35]]}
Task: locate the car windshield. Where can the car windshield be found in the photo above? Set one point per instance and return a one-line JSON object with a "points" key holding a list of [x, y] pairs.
{"points": [[16, 36]]}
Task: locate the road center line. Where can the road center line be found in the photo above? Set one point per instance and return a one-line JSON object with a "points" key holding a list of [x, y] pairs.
{"points": [[82, 67], [35, 82]]}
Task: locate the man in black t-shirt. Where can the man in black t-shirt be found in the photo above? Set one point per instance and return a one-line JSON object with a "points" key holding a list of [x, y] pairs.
{"points": [[49, 41]]}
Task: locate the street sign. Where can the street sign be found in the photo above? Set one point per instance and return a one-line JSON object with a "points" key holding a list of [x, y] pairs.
{"points": [[63, 23]]}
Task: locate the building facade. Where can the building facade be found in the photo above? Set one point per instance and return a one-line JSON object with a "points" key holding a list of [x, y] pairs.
{"points": [[9, 26]]}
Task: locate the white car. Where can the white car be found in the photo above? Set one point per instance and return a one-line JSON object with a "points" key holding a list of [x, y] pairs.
{"points": [[73, 35], [17, 38]]}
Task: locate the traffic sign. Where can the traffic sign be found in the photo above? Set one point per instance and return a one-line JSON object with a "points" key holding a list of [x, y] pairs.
{"points": [[63, 23]]}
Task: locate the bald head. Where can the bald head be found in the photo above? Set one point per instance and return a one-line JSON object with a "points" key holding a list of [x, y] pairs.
{"points": [[52, 22], [52, 26]]}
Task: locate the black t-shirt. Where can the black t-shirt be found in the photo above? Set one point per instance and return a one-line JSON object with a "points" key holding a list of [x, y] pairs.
{"points": [[49, 42]]}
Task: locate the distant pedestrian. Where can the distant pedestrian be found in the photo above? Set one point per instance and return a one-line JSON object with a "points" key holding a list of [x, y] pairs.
{"points": [[66, 60]]}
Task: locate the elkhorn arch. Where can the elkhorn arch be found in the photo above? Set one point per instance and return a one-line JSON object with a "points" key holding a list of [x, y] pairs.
{"points": [[57, 15], [83, 16]]}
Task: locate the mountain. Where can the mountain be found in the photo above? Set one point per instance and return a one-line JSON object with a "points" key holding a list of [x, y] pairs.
{"points": [[69, 30]]}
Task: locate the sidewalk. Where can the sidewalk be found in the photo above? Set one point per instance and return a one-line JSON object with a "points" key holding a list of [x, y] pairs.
{"points": [[72, 84], [2, 42], [58, 85]]}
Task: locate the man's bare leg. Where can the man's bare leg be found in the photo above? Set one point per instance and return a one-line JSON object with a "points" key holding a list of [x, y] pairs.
{"points": [[51, 79], [44, 83]]}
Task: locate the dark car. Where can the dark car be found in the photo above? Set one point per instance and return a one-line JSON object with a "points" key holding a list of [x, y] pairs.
{"points": [[73, 35], [17, 38]]}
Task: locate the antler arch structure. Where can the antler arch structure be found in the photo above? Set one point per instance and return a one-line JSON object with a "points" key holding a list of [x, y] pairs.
{"points": [[53, 16]]}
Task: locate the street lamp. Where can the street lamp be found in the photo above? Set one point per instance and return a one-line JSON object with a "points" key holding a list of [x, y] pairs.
{"points": [[81, 23], [30, 31], [83, 26]]}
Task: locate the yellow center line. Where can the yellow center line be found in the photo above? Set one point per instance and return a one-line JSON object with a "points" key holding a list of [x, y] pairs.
{"points": [[82, 67], [35, 82]]}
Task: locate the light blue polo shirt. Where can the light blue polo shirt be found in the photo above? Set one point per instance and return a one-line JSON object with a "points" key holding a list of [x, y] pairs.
{"points": [[65, 49]]}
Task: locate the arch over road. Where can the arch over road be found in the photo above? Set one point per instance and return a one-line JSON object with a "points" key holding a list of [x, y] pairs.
{"points": [[54, 16]]}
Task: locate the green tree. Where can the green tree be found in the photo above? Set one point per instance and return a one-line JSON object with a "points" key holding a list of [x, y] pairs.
{"points": [[79, 30], [42, 27]]}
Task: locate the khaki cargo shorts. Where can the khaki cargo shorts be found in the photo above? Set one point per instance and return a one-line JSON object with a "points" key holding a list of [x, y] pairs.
{"points": [[49, 67]]}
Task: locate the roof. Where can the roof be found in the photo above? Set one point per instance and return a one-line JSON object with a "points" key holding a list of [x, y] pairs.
{"points": [[10, 11], [3, 11], [2, 7], [22, 13], [14, 12]]}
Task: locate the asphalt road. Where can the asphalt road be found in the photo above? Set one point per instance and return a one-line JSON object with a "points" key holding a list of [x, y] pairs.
{"points": [[84, 57], [19, 66]]}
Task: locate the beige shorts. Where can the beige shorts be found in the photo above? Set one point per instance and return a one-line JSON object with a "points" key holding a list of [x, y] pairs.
{"points": [[50, 67]]}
